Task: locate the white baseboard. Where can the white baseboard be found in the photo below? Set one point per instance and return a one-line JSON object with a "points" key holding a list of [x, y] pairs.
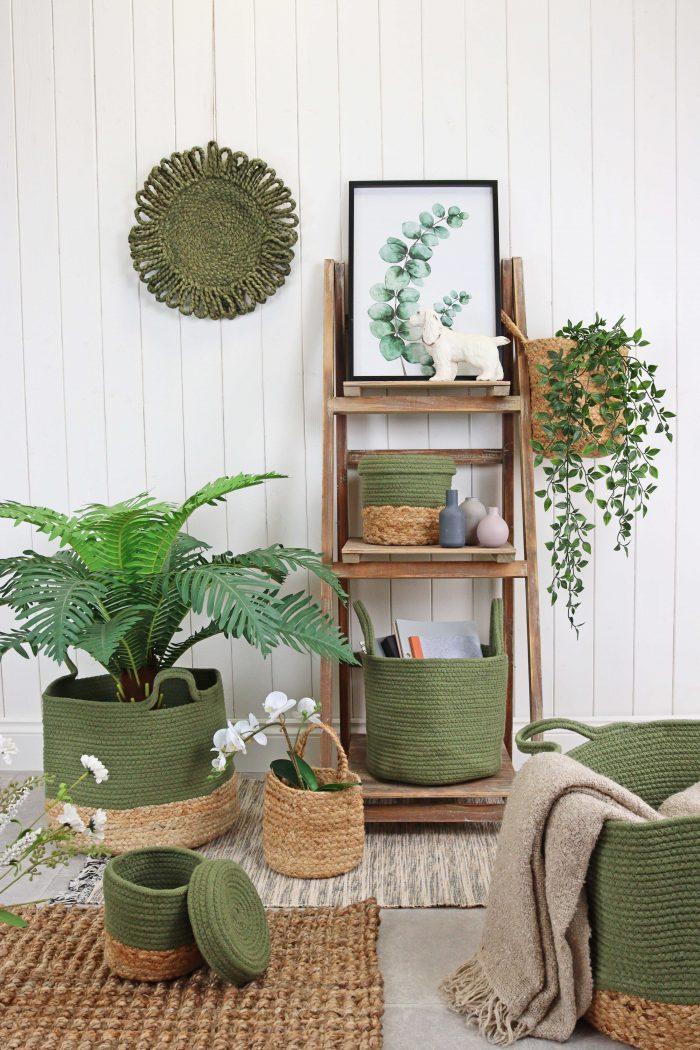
{"points": [[28, 737]]}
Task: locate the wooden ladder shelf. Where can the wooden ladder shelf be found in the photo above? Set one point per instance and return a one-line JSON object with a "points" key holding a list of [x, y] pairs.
{"points": [[350, 558]]}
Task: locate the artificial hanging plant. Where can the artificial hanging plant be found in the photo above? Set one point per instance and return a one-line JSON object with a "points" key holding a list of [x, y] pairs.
{"points": [[601, 400], [126, 576]]}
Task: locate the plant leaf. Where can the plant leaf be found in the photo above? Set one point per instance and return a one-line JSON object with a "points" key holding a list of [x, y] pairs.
{"points": [[307, 773], [284, 770], [10, 919]]}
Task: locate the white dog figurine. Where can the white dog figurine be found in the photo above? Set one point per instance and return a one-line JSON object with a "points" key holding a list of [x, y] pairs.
{"points": [[450, 349]]}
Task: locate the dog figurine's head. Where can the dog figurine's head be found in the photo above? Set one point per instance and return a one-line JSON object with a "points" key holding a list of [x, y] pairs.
{"points": [[429, 323]]}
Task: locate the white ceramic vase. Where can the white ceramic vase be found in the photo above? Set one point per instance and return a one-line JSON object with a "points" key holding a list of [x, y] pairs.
{"points": [[473, 510], [492, 531]]}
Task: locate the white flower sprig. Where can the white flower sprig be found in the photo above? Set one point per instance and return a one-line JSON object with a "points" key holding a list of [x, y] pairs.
{"points": [[8, 749], [93, 765]]}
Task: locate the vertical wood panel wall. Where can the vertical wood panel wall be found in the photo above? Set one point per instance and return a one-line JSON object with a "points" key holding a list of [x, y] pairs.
{"points": [[586, 111]]}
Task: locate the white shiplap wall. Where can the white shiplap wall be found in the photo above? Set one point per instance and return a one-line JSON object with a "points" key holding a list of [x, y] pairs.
{"points": [[586, 111]]}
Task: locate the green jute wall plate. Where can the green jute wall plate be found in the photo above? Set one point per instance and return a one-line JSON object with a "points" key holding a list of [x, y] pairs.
{"points": [[214, 232]]}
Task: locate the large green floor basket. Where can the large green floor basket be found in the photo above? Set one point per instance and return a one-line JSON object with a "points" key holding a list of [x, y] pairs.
{"points": [[644, 879]]}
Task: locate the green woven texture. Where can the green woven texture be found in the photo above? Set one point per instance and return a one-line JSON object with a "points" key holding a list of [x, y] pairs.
{"points": [[435, 721], [214, 232], [229, 921], [405, 481], [644, 879], [145, 895], [153, 756]]}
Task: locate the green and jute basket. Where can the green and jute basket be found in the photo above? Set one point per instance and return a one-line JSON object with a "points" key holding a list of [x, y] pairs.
{"points": [[643, 884], [435, 721], [402, 496], [157, 751]]}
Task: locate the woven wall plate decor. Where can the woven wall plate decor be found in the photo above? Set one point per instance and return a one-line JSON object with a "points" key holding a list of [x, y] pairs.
{"points": [[214, 232]]}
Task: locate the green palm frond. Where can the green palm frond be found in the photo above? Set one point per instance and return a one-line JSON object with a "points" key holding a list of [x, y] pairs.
{"points": [[117, 532], [15, 641], [177, 649], [55, 525], [236, 599], [302, 625], [103, 640], [279, 561]]}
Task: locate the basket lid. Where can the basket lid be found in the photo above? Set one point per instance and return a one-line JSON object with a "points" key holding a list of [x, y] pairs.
{"points": [[406, 464], [228, 920]]}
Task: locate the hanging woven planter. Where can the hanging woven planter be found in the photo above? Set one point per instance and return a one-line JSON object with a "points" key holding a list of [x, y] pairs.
{"points": [[214, 233]]}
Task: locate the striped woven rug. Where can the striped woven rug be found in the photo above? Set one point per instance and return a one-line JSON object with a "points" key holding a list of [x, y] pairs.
{"points": [[404, 866]]}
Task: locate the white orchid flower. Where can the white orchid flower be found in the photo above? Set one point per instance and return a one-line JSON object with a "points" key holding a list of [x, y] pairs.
{"points": [[308, 709], [276, 703], [8, 748], [219, 763], [70, 818], [253, 726], [96, 825], [229, 739], [93, 765]]}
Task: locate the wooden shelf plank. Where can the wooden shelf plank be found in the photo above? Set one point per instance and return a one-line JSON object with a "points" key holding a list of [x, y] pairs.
{"points": [[355, 549], [475, 457], [450, 812], [498, 388], [494, 788], [395, 405], [430, 570]]}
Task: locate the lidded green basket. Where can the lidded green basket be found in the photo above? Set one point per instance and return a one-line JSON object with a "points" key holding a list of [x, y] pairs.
{"points": [[644, 878], [405, 480], [435, 721]]}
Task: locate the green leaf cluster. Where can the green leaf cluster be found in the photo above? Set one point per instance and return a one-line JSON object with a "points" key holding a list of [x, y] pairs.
{"points": [[297, 773], [394, 301], [126, 576], [601, 399]]}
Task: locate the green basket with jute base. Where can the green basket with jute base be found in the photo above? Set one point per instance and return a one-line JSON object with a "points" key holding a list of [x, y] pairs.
{"points": [[643, 884], [167, 911], [157, 751], [402, 496], [435, 721]]}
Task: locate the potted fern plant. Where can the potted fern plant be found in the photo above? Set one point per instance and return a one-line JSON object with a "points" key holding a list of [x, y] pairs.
{"points": [[120, 585]]}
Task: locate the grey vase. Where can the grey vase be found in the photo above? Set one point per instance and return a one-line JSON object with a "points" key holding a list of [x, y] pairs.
{"points": [[452, 527], [473, 510]]}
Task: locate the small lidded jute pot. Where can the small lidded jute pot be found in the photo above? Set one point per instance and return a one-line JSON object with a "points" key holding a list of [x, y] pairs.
{"points": [[402, 496], [314, 834], [148, 934]]}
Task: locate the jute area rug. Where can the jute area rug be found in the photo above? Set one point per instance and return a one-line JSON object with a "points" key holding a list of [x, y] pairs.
{"points": [[404, 866], [322, 989]]}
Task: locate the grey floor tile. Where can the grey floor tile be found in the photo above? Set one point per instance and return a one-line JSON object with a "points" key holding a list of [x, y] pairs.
{"points": [[433, 1028]]}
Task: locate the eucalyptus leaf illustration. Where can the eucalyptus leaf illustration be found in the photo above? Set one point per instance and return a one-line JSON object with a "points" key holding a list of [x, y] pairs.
{"points": [[418, 268], [391, 347], [421, 251], [381, 312], [426, 219], [411, 229], [380, 293], [392, 252], [438, 210], [381, 328]]}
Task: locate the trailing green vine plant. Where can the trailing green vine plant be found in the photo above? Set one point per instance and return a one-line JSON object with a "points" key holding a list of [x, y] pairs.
{"points": [[395, 301], [602, 400]]}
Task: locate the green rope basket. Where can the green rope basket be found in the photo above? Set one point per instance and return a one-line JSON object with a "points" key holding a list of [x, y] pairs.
{"points": [[644, 879], [154, 756], [214, 232], [435, 721], [405, 481]]}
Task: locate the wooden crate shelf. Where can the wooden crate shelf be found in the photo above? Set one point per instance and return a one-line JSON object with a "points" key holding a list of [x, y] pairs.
{"points": [[392, 404], [356, 550], [499, 388], [388, 800]]}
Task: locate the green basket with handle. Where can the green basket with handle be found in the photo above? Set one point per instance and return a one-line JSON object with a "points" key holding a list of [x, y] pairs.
{"points": [[643, 881], [435, 721]]}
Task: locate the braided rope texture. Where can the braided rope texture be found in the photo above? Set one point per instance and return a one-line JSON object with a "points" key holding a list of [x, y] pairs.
{"points": [[190, 823], [84, 716], [644, 879], [321, 991], [401, 481], [437, 721], [214, 232], [229, 921], [314, 834], [401, 526], [644, 1024]]}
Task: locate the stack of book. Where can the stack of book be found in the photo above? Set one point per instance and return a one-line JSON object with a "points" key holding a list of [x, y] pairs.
{"points": [[424, 639]]}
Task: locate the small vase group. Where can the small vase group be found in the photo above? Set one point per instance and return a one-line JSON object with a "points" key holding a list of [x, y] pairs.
{"points": [[469, 524]]}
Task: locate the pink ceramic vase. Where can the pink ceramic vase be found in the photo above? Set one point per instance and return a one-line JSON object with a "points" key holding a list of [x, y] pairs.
{"points": [[492, 531]]}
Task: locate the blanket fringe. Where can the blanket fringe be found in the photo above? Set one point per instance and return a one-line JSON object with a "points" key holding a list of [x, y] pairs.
{"points": [[469, 992]]}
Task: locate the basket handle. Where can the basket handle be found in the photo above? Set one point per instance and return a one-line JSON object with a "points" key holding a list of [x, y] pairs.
{"points": [[342, 768], [496, 644], [367, 628], [172, 674], [536, 747], [512, 327]]}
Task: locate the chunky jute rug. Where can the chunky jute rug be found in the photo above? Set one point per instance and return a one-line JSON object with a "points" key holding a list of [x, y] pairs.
{"points": [[322, 989], [404, 866]]}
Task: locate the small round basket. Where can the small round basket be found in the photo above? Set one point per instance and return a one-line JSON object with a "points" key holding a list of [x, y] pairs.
{"points": [[402, 496], [643, 884], [314, 834], [148, 935]]}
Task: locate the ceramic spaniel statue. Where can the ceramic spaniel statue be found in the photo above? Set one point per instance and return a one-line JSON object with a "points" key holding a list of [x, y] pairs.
{"points": [[450, 349]]}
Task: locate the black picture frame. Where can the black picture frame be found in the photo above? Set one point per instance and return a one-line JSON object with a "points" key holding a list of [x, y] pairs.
{"points": [[355, 185]]}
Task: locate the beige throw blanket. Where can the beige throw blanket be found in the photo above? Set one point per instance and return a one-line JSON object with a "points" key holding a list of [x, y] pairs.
{"points": [[532, 973]]}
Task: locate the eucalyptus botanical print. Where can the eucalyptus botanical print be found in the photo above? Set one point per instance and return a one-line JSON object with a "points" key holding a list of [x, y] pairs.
{"points": [[395, 299]]}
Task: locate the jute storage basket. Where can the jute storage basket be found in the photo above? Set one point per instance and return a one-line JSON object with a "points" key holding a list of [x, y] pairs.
{"points": [[314, 834], [435, 721], [537, 353], [643, 885], [402, 496], [159, 758]]}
